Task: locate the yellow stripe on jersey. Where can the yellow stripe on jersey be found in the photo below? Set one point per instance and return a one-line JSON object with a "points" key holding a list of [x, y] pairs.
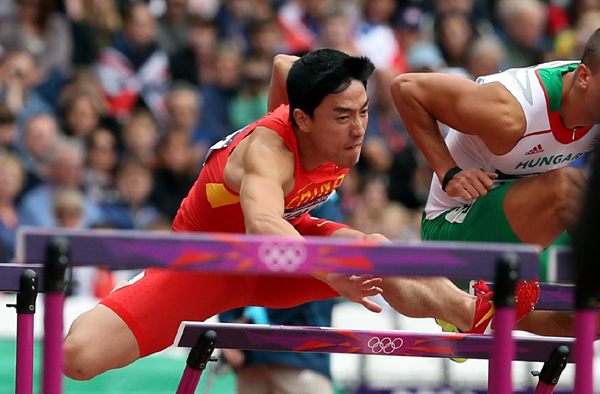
{"points": [[218, 195]]}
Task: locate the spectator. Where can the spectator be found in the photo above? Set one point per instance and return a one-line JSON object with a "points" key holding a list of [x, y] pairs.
{"points": [[375, 37], [102, 155], [376, 213], [176, 173], [281, 372], [234, 18], [524, 22], [84, 81], [12, 177], [478, 12], [220, 93], [81, 113], [408, 27], [337, 33], [41, 137], [38, 29], [173, 26], [265, 39], [68, 208], [194, 63], [20, 75], [577, 8], [425, 57], [386, 135], [569, 43], [251, 103], [140, 138], [299, 22], [134, 72], [388, 150], [8, 129], [485, 56], [454, 34], [380, 12], [94, 24], [66, 171], [132, 209], [184, 105]]}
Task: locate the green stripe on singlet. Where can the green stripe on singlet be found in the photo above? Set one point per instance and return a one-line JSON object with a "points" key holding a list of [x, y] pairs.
{"points": [[552, 80]]}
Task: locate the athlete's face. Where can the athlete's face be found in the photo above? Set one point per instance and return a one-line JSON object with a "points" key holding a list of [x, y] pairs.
{"points": [[337, 127]]}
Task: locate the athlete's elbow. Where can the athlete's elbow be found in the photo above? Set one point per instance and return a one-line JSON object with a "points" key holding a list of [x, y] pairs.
{"points": [[262, 224], [403, 90], [399, 85]]}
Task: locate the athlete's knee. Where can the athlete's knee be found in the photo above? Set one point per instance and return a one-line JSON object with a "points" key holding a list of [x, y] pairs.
{"points": [[79, 360], [565, 191], [565, 186]]}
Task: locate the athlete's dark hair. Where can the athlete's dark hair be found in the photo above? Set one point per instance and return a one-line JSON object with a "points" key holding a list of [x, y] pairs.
{"points": [[591, 52], [323, 72]]}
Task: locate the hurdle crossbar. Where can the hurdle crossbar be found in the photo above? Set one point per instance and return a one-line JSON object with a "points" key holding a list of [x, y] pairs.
{"points": [[244, 254], [560, 266], [10, 275], [335, 340]]}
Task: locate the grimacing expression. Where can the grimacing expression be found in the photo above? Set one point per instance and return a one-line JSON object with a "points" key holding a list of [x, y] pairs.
{"points": [[337, 127]]}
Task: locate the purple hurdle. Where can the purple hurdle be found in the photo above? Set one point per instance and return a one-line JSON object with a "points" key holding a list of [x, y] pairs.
{"points": [[196, 362], [25, 307], [57, 260], [550, 373], [238, 253], [504, 319]]}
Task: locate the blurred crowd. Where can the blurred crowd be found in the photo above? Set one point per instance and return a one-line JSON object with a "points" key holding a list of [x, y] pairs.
{"points": [[107, 107]]}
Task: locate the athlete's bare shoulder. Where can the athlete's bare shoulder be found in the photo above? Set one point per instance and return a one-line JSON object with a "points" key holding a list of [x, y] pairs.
{"points": [[263, 150]]}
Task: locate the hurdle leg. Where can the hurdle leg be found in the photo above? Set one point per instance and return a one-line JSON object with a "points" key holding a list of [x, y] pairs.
{"points": [[196, 362], [28, 290], [57, 260], [585, 333], [503, 349], [551, 371]]}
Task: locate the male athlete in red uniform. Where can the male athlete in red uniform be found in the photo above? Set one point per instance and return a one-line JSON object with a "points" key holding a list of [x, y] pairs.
{"points": [[262, 179]]}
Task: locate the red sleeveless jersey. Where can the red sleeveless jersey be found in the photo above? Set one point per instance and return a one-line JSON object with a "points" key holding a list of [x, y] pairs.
{"points": [[211, 206]]}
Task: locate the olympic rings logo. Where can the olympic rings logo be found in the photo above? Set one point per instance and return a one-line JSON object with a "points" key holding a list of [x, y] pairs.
{"points": [[385, 345], [282, 256]]}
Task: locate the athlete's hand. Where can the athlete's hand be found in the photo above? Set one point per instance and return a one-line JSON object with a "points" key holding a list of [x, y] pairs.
{"points": [[471, 184], [356, 288]]}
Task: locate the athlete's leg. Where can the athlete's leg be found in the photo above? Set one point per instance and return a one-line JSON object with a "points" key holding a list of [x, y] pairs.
{"points": [[548, 210], [435, 297], [539, 209], [88, 347], [142, 318], [547, 323]]}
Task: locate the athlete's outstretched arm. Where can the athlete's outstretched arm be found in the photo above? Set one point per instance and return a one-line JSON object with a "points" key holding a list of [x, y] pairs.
{"points": [[266, 169], [265, 175], [488, 111], [277, 89]]}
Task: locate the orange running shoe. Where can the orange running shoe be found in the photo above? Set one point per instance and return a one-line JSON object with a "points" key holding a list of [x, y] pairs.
{"points": [[526, 296]]}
